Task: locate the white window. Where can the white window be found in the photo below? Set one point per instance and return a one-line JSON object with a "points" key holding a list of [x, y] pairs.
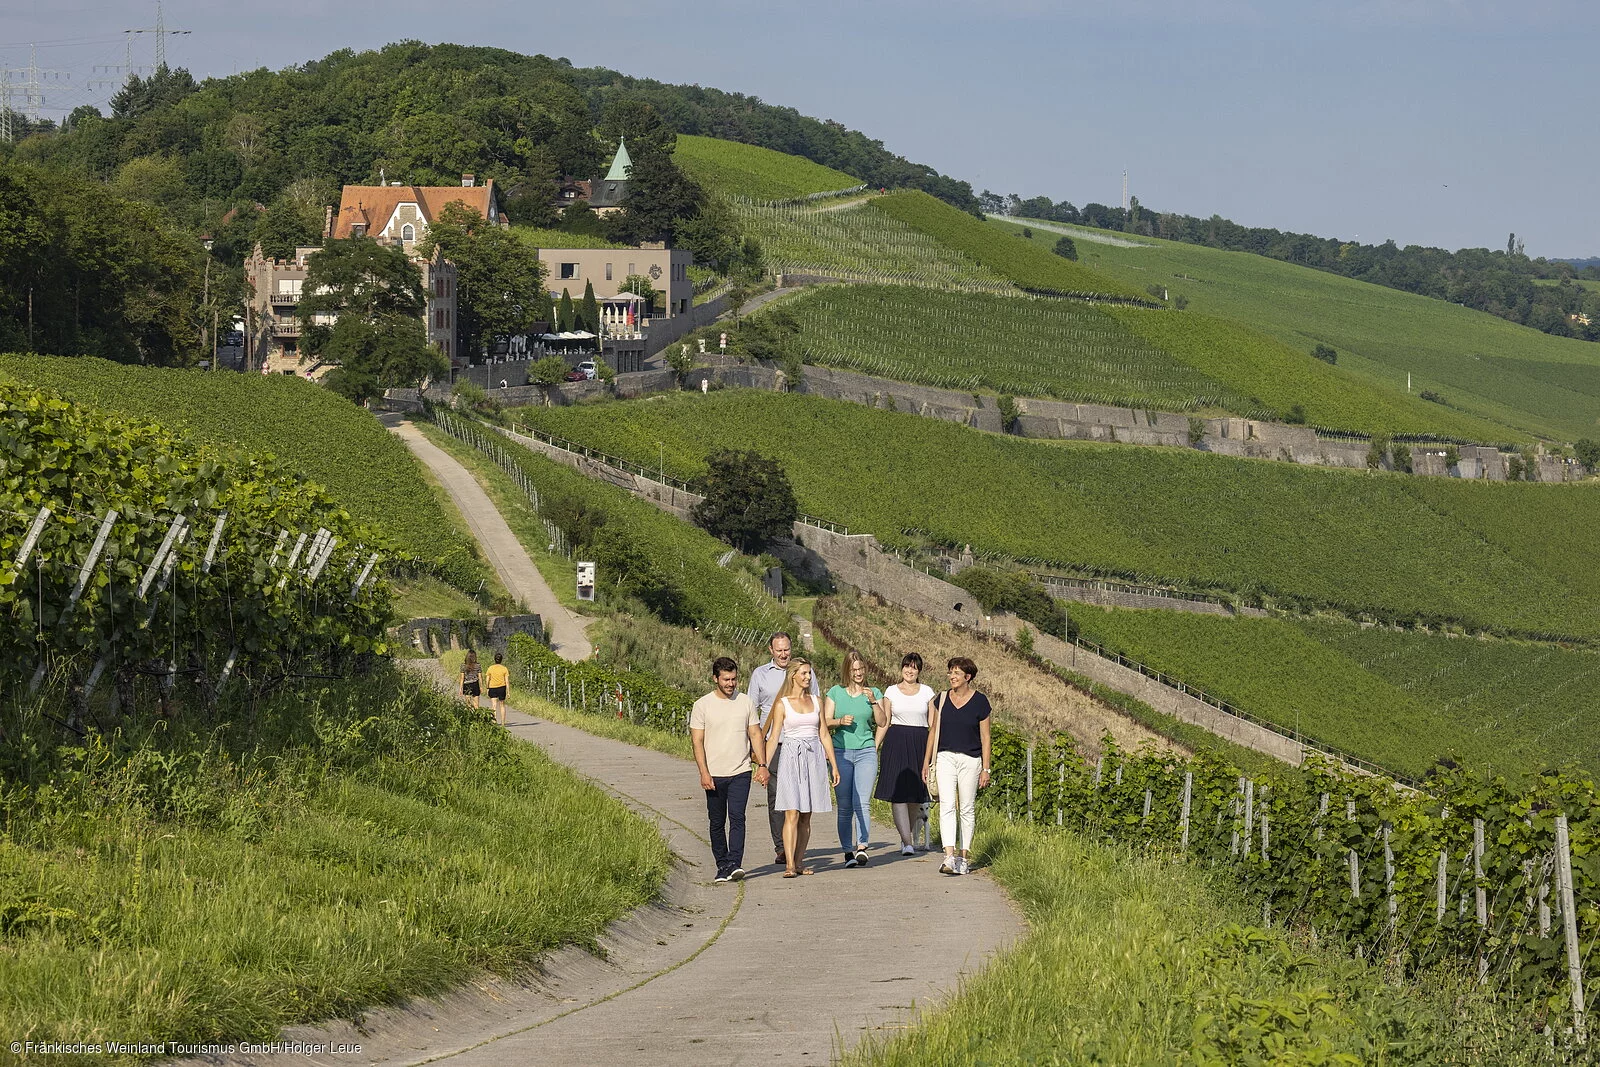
{"points": [[408, 232]]}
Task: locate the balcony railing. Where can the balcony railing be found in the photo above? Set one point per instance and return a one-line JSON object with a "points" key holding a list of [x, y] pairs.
{"points": [[283, 298]]}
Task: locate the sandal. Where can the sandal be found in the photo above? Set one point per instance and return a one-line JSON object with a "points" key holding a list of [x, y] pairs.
{"points": [[806, 870], [791, 874]]}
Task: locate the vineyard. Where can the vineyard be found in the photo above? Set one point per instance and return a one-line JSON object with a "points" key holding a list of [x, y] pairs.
{"points": [[127, 550], [742, 170], [681, 556], [1021, 262], [1029, 347], [857, 242], [1487, 369], [311, 431], [1472, 875], [1392, 547], [1526, 706], [1254, 364]]}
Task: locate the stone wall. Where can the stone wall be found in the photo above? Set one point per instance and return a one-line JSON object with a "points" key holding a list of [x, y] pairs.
{"points": [[434, 635]]}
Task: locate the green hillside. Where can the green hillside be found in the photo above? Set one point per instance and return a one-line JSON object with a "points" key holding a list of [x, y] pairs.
{"points": [[328, 439], [1004, 344], [1479, 364], [1072, 350], [851, 239], [1024, 264], [1392, 546], [1400, 699], [735, 169]]}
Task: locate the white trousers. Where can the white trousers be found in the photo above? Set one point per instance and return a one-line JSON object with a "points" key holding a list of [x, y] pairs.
{"points": [[957, 775]]}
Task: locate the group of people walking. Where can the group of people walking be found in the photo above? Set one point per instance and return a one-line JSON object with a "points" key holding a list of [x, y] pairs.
{"points": [[810, 750]]}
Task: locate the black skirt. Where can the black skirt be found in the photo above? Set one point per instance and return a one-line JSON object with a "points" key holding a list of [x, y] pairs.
{"points": [[900, 765]]}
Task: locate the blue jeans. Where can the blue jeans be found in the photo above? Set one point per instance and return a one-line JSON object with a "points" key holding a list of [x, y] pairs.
{"points": [[725, 811], [857, 769]]}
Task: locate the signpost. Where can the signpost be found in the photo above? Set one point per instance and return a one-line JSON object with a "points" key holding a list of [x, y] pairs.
{"points": [[585, 581]]}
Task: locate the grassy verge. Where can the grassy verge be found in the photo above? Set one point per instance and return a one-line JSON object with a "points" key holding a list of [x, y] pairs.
{"points": [[1133, 959], [329, 848]]}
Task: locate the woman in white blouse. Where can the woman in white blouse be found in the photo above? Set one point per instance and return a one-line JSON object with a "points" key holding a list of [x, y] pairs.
{"points": [[902, 745]]}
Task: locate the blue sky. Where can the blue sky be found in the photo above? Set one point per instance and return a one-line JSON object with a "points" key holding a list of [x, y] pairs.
{"points": [[1443, 122]]}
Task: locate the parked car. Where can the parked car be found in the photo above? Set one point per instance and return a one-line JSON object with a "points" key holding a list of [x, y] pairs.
{"points": [[577, 376], [590, 371]]}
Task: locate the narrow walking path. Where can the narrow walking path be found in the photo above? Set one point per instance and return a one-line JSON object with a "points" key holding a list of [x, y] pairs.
{"points": [[500, 546], [770, 970]]}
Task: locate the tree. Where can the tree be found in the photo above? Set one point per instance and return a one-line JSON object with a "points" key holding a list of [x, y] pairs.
{"points": [[640, 285], [1066, 248], [1588, 452], [1017, 593], [385, 352], [747, 499], [358, 276], [373, 293], [564, 313], [163, 89], [627, 570], [660, 198], [499, 279], [589, 312]]}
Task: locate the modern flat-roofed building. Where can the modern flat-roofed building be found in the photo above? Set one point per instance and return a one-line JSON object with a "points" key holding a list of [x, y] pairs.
{"points": [[667, 269]]}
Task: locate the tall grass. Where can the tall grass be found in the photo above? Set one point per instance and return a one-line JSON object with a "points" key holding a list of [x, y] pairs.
{"points": [[336, 846]]}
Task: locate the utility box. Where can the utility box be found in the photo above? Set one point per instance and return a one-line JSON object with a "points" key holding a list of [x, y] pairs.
{"points": [[585, 581]]}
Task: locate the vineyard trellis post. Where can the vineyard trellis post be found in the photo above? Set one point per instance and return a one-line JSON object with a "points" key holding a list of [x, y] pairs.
{"points": [[1355, 861], [1569, 926], [1030, 781], [1388, 879], [1183, 817], [1440, 878], [1482, 898]]}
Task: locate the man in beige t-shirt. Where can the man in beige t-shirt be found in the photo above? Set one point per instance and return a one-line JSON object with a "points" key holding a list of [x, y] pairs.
{"points": [[726, 732]]}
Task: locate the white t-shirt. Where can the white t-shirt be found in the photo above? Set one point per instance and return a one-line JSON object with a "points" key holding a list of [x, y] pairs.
{"points": [[908, 710]]}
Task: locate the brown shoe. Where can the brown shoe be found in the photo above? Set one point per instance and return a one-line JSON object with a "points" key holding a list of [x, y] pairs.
{"points": [[781, 860]]}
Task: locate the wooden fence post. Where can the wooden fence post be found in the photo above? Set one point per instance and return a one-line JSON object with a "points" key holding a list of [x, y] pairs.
{"points": [[1569, 926], [1183, 818], [1355, 862], [1439, 886], [1322, 812], [1388, 878], [1061, 785], [1482, 895], [1249, 815], [1030, 781]]}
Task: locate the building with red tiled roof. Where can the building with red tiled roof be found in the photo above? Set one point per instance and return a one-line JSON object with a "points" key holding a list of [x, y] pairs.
{"points": [[400, 214]]}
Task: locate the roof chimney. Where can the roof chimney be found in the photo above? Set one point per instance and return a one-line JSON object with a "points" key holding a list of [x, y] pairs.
{"points": [[327, 221], [467, 181]]}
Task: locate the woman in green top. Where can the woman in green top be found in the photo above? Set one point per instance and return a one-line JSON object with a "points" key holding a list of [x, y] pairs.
{"points": [[853, 711]]}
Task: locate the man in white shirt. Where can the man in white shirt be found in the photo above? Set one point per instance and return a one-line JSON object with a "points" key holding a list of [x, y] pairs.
{"points": [[766, 682], [726, 734]]}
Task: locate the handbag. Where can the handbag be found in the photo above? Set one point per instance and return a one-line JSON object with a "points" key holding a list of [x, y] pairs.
{"points": [[933, 778]]}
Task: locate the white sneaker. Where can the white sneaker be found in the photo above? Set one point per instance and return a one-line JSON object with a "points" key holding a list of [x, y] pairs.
{"points": [[908, 850], [951, 865], [962, 866]]}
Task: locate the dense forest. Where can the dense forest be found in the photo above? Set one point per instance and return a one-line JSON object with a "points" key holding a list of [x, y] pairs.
{"points": [[1548, 295]]}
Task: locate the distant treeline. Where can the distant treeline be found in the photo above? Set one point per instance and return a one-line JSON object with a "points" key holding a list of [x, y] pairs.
{"points": [[1541, 293]]}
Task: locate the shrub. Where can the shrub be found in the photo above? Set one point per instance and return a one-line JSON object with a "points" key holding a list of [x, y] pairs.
{"points": [[1197, 431], [1588, 452], [1296, 415], [551, 370], [1066, 248], [1016, 592], [1434, 398], [1326, 353]]}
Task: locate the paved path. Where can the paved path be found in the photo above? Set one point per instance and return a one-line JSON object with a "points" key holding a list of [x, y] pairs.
{"points": [[772, 970], [500, 546]]}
